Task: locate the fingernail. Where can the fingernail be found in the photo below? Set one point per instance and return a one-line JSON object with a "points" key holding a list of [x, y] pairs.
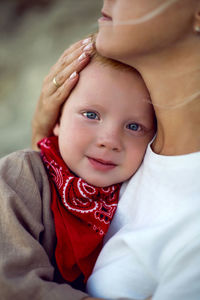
{"points": [[86, 41], [88, 47], [82, 56], [73, 75]]}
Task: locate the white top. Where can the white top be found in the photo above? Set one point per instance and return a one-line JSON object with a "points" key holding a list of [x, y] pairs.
{"points": [[153, 243]]}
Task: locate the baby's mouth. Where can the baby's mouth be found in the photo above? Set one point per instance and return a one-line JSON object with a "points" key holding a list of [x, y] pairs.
{"points": [[100, 164]]}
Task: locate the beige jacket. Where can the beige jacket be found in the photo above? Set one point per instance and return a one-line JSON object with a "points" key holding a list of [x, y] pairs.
{"points": [[27, 234]]}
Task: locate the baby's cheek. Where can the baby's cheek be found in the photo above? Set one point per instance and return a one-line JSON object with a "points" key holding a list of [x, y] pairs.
{"points": [[135, 159]]}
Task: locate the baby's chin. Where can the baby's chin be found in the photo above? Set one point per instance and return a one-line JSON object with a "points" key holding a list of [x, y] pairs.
{"points": [[98, 182]]}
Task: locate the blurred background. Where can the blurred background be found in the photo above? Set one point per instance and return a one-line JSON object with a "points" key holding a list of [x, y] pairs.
{"points": [[33, 34]]}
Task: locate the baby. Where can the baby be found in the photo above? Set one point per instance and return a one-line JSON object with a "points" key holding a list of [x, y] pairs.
{"points": [[100, 141]]}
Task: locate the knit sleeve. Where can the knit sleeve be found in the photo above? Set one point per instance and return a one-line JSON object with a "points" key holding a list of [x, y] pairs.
{"points": [[26, 233]]}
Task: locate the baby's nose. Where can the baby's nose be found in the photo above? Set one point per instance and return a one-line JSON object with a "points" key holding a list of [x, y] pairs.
{"points": [[110, 140]]}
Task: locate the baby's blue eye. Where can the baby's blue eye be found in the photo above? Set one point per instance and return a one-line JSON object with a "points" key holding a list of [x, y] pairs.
{"points": [[91, 115], [133, 126]]}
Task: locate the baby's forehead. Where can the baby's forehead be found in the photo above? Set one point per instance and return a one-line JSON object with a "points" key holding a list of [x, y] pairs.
{"points": [[105, 78], [117, 71]]}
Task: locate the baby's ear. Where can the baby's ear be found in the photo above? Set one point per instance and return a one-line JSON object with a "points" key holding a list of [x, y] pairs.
{"points": [[56, 129]]}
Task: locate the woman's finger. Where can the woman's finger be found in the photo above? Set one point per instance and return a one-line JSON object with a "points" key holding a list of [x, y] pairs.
{"points": [[65, 67], [76, 66], [70, 78], [61, 94], [76, 63], [76, 46], [68, 56]]}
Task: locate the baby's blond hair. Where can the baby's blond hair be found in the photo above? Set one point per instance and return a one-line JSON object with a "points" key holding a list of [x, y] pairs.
{"points": [[108, 61]]}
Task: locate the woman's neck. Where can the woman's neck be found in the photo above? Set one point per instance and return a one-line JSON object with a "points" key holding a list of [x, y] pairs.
{"points": [[173, 79]]}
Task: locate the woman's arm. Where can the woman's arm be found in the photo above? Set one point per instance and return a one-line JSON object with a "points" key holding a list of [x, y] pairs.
{"points": [[57, 86]]}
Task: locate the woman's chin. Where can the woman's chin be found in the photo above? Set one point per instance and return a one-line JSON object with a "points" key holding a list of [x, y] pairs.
{"points": [[111, 48], [106, 47], [102, 46]]}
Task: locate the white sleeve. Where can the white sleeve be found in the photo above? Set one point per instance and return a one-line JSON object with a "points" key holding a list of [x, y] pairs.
{"points": [[181, 279]]}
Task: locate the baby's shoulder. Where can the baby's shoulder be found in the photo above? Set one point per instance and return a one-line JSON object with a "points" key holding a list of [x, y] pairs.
{"points": [[21, 163], [23, 171], [19, 158], [24, 184]]}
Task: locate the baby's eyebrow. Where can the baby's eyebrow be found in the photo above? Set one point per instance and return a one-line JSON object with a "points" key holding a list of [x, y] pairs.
{"points": [[88, 105]]}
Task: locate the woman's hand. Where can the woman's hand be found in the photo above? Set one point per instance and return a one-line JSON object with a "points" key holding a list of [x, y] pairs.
{"points": [[57, 86]]}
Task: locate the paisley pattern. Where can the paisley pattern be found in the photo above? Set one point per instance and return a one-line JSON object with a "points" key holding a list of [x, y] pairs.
{"points": [[80, 210]]}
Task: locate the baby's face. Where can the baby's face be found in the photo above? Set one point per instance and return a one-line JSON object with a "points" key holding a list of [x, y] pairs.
{"points": [[106, 125]]}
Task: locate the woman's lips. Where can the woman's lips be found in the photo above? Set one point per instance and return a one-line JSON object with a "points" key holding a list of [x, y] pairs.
{"points": [[101, 165], [105, 17]]}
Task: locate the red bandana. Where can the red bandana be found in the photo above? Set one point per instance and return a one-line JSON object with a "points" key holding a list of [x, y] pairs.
{"points": [[82, 214]]}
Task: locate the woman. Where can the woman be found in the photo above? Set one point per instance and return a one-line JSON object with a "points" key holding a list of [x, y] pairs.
{"points": [[159, 209]]}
